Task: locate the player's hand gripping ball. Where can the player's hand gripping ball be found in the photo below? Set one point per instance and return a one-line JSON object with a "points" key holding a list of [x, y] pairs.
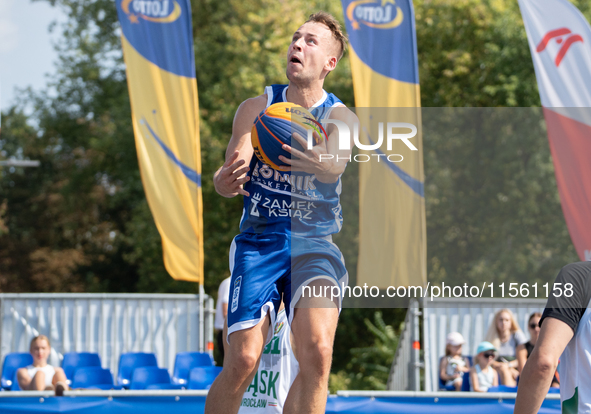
{"points": [[275, 126]]}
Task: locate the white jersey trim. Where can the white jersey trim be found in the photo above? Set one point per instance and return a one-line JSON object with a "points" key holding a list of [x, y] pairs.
{"points": [[320, 102], [232, 254], [269, 92], [239, 326], [343, 281]]}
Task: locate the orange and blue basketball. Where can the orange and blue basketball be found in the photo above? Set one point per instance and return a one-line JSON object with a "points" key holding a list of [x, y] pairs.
{"points": [[275, 126]]}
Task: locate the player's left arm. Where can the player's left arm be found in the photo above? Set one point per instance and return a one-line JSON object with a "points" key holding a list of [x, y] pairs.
{"points": [[326, 160]]}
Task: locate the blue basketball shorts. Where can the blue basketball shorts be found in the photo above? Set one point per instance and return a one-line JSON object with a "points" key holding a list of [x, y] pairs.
{"points": [[266, 266]]}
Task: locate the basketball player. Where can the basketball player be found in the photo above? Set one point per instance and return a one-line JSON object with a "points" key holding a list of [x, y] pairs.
{"points": [[285, 241], [566, 334]]}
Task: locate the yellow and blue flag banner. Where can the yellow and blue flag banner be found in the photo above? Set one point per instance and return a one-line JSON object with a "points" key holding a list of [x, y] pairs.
{"points": [[384, 64], [158, 50]]}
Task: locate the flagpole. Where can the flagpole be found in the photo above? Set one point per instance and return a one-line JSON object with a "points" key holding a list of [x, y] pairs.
{"points": [[201, 318]]}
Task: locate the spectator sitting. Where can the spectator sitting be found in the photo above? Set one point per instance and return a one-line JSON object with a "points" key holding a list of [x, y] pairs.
{"points": [[482, 375], [454, 365], [534, 332], [509, 340], [40, 375]]}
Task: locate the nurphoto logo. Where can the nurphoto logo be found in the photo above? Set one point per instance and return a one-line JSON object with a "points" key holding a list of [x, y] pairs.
{"points": [[389, 136]]}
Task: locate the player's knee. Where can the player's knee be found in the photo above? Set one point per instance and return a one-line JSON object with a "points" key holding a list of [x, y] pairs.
{"points": [[243, 363], [317, 357]]}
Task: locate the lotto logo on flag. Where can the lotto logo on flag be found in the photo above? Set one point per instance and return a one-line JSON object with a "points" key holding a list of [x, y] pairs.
{"points": [[384, 65], [157, 41], [382, 14], [157, 11]]}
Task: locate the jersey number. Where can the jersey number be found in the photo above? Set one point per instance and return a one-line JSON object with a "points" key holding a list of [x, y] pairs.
{"points": [[272, 347]]}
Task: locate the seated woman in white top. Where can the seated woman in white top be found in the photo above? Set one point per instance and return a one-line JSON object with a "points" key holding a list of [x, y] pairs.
{"points": [[40, 375]]}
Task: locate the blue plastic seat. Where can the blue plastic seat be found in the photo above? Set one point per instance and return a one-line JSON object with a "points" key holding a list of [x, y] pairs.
{"points": [[93, 377], [12, 362], [466, 383], [145, 376], [185, 361], [554, 390], [502, 388], [75, 360], [129, 362], [201, 378], [15, 386]]}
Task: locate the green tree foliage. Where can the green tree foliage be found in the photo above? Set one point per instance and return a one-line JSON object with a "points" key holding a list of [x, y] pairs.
{"points": [[493, 211], [369, 366]]}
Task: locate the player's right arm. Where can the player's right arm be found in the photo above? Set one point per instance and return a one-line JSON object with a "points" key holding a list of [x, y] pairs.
{"points": [[540, 367], [558, 324], [230, 177]]}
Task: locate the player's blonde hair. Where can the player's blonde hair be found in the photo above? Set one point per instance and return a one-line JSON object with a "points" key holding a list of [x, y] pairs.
{"points": [[334, 26]]}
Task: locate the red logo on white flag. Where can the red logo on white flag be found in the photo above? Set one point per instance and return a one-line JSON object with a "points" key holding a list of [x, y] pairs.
{"points": [[562, 36]]}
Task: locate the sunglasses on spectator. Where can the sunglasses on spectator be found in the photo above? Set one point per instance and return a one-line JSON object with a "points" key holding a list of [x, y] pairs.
{"points": [[489, 354], [533, 325]]}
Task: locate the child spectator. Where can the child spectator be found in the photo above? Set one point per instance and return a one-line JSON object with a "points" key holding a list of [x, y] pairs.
{"points": [[453, 365], [482, 375]]}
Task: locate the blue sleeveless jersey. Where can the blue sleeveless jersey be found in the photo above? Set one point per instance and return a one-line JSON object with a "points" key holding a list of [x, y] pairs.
{"points": [[291, 202]]}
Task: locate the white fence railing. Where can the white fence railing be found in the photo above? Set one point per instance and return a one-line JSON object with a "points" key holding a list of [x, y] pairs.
{"points": [[108, 324], [405, 372], [471, 318]]}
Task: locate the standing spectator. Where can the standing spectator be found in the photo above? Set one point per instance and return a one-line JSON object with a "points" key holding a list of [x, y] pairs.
{"points": [[482, 375], [534, 333], [506, 336], [40, 375], [221, 311], [453, 365]]}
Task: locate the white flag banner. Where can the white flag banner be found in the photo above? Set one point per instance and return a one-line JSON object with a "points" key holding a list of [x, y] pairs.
{"points": [[560, 42]]}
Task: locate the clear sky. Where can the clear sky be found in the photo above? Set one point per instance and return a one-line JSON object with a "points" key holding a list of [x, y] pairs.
{"points": [[26, 46]]}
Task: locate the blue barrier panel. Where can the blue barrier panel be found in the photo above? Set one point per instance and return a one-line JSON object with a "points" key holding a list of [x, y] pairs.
{"points": [[428, 405], [196, 405], [102, 405]]}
